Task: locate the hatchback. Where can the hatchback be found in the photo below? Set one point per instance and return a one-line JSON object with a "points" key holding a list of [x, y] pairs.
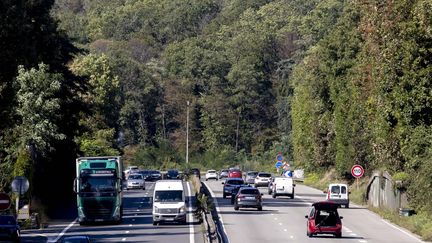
{"points": [[248, 197], [173, 174], [235, 173], [211, 174], [250, 177], [262, 179], [323, 218], [230, 184], [135, 181]]}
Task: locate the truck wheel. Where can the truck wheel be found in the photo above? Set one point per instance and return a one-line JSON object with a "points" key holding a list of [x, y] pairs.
{"points": [[155, 222], [347, 205], [259, 208], [292, 196], [236, 208]]}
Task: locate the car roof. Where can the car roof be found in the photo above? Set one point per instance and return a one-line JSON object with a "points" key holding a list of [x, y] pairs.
{"points": [[169, 185], [338, 184], [325, 205]]}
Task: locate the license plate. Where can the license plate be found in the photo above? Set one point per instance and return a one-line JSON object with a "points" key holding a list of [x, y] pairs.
{"points": [[98, 220], [250, 198]]}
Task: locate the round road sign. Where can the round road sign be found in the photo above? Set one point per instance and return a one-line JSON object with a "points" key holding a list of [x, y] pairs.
{"points": [[20, 185], [5, 201], [279, 157], [357, 171]]}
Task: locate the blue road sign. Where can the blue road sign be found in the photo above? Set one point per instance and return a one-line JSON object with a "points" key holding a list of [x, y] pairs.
{"points": [[278, 164], [279, 157]]}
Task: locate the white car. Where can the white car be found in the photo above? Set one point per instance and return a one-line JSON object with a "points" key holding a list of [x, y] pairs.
{"points": [[211, 174], [262, 179]]}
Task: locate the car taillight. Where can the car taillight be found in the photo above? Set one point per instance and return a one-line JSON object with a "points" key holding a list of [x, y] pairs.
{"points": [[328, 194], [241, 196]]}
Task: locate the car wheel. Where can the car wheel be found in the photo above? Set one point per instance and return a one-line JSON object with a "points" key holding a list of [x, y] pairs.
{"points": [[292, 196], [155, 222], [224, 195], [274, 195], [236, 208], [339, 235], [269, 192], [206, 179], [347, 205], [232, 200], [259, 208]]}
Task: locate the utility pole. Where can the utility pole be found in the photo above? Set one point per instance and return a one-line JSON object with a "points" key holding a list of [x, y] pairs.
{"points": [[187, 132]]}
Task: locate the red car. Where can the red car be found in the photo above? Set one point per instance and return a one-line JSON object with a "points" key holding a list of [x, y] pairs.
{"points": [[324, 219], [235, 174]]}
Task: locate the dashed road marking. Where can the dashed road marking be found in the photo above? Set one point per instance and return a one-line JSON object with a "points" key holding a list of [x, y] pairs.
{"points": [[64, 231], [280, 223], [362, 241], [124, 239], [285, 230], [353, 234], [127, 231], [275, 218], [130, 225]]}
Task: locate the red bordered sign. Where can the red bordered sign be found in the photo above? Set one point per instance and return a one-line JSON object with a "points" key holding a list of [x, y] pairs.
{"points": [[5, 201], [357, 171]]}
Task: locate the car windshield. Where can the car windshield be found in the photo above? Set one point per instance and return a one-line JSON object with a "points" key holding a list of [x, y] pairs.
{"points": [[7, 220], [97, 184], [211, 171], [252, 173], [135, 177], [173, 172], [249, 191], [168, 196], [264, 175], [235, 182]]}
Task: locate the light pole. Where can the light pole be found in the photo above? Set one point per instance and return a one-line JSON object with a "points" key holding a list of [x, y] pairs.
{"points": [[187, 132]]}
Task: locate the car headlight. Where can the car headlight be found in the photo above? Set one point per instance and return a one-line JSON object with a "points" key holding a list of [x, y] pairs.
{"points": [[156, 209], [182, 209]]}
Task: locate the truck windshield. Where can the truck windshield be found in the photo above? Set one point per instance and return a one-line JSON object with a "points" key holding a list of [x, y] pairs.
{"points": [[168, 196], [97, 184]]}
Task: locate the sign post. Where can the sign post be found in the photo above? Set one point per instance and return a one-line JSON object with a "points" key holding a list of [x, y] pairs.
{"points": [[357, 171], [20, 185]]}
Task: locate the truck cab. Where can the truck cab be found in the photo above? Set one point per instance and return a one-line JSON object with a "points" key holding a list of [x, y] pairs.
{"points": [[169, 202]]}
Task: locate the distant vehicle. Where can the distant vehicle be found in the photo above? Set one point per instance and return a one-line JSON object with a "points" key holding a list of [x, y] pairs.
{"points": [[146, 174], [250, 177], [98, 186], [76, 239], [262, 179], [323, 218], [173, 174], [223, 174], [169, 202], [248, 197], [234, 173], [230, 184], [338, 193], [155, 175], [9, 228], [235, 190], [135, 181], [283, 186], [196, 172], [211, 174], [270, 185]]}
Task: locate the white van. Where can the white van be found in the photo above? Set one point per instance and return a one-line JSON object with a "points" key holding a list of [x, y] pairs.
{"points": [[283, 186], [169, 202], [338, 193]]}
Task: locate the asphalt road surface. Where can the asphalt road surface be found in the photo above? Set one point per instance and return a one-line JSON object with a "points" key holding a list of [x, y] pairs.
{"points": [[283, 220], [136, 226]]}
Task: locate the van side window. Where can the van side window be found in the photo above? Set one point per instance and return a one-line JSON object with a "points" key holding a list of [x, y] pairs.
{"points": [[343, 189], [335, 189]]}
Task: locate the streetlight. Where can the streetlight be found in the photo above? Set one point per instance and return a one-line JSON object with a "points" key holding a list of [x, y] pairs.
{"points": [[187, 132]]}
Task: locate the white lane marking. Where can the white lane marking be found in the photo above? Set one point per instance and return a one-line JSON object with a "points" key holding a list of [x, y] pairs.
{"points": [[403, 231], [218, 210], [347, 229], [271, 214], [275, 218], [124, 239], [285, 230], [280, 223], [130, 225], [362, 241], [64, 231], [138, 210], [191, 227], [127, 231], [292, 237], [353, 234]]}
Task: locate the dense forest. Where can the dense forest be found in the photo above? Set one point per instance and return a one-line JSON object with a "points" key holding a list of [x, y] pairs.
{"points": [[329, 83]]}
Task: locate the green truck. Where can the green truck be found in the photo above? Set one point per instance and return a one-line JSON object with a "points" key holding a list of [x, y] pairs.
{"points": [[98, 186]]}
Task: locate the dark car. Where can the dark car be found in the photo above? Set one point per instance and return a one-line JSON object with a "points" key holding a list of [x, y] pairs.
{"points": [[230, 184], [235, 173], [173, 174], [196, 172], [235, 190], [76, 239], [248, 197], [323, 218], [146, 174], [9, 228], [155, 175]]}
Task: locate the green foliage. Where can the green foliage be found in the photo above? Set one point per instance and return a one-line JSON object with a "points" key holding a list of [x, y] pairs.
{"points": [[163, 156], [99, 144], [23, 164]]}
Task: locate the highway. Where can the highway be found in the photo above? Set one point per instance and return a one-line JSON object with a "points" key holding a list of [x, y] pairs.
{"points": [[136, 226], [283, 220]]}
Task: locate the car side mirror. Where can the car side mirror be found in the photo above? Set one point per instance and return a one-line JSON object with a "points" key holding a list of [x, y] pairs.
{"points": [[341, 217], [75, 185], [306, 216]]}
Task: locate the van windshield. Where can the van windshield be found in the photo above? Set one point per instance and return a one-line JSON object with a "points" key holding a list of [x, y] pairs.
{"points": [[168, 196]]}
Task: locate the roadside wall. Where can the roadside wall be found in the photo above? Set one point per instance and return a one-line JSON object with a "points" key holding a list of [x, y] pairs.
{"points": [[382, 192]]}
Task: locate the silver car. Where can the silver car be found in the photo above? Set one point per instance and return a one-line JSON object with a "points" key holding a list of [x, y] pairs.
{"points": [[223, 174], [250, 177], [248, 197], [135, 181]]}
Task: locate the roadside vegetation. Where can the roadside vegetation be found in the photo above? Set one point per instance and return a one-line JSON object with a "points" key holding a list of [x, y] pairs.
{"points": [[328, 83]]}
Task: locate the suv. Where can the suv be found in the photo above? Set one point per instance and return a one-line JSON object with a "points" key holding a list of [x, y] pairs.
{"points": [[248, 197], [262, 179], [230, 184], [323, 218]]}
